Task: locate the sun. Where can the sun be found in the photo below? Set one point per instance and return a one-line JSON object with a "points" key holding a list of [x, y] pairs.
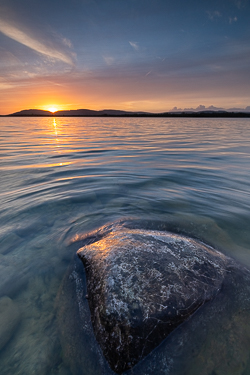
{"points": [[52, 109]]}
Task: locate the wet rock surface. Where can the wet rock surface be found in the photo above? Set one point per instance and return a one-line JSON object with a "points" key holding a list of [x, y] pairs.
{"points": [[142, 284]]}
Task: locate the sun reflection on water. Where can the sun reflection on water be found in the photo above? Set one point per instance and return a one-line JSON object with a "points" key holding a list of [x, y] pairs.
{"points": [[55, 126]]}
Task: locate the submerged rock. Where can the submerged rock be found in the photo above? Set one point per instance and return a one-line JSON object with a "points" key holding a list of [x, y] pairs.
{"points": [[12, 281], [142, 284], [9, 319], [80, 351]]}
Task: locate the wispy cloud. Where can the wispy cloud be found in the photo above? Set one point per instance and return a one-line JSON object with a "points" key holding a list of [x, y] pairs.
{"points": [[22, 37], [213, 15], [8, 59], [232, 20], [4, 85], [134, 45], [241, 4], [109, 60], [67, 42]]}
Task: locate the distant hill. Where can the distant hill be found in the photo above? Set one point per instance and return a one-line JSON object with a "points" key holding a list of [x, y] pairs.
{"points": [[75, 112], [188, 112], [89, 112], [32, 112]]}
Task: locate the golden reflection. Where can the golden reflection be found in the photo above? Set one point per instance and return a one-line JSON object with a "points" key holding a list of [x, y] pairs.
{"points": [[30, 166], [55, 126]]}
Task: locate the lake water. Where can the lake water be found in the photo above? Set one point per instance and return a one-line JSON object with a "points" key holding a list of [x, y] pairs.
{"points": [[60, 177]]}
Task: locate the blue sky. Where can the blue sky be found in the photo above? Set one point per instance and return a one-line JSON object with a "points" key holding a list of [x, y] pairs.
{"points": [[132, 55]]}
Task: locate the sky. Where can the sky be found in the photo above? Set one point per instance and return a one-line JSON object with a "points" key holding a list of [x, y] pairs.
{"points": [[135, 55]]}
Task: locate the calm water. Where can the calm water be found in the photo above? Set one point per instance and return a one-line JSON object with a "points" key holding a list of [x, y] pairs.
{"points": [[65, 176]]}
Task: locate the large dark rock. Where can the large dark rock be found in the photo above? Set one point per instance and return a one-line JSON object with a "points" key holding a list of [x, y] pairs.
{"points": [[142, 284]]}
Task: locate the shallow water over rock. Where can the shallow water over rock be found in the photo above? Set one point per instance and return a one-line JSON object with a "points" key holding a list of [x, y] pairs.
{"points": [[185, 295]]}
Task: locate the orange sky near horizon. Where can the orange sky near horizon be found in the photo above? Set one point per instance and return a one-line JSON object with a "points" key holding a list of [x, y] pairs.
{"points": [[99, 96]]}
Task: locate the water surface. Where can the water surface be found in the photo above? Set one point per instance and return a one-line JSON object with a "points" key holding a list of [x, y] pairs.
{"points": [[66, 176]]}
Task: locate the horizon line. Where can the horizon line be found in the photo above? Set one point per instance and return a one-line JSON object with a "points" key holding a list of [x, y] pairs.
{"points": [[200, 108]]}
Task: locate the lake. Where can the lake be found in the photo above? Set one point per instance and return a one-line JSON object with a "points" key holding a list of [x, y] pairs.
{"points": [[62, 177]]}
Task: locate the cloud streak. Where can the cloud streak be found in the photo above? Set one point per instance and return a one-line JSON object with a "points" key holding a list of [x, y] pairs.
{"points": [[28, 41], [134, 45]]}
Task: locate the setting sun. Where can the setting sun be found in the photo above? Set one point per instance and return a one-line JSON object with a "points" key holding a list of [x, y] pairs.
{"points": [[52, 109]]}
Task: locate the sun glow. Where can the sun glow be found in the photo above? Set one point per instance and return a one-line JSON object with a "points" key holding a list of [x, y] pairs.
{"points": [[52, 109]]}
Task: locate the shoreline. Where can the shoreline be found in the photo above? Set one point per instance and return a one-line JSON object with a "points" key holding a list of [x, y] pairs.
{"points": [[171, 115]]}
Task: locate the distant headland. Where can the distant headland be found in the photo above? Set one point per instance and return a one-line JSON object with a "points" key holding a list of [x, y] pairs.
{"points": [[234, 112]]}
